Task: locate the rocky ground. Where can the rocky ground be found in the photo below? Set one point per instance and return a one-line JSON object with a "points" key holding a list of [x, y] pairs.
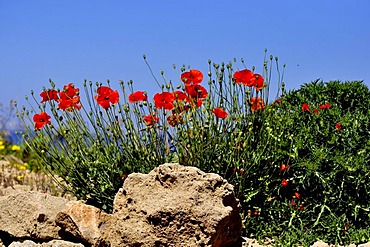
{"points": [[13, 179]]}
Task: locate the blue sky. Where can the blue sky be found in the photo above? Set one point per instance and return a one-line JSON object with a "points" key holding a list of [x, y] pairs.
{"points": [[69, 40]]}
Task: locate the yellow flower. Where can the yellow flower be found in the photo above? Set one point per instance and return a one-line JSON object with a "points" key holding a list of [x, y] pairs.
{"points": [[20, 177], [2, 147], [21, 167], [16, 148]]}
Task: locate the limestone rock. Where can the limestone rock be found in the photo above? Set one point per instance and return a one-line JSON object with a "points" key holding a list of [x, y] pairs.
{"points": [[53, 243], [27, 243], [30, 215], [364, 245], [320, 244], [171, 206], [82, 221], [175, 205]]}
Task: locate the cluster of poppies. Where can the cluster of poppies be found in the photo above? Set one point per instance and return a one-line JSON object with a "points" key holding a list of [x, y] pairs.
{"points": [[178, 102], [248, 78], [69, 99], [193, 95], [296, 196], [306, 107], [326, 106]]}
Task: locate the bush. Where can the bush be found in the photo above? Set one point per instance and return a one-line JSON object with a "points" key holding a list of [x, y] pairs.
{"points": [[322, 143]]}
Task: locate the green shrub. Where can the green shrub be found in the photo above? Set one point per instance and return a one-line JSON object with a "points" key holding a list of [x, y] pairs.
{"points": [[327, 151]]}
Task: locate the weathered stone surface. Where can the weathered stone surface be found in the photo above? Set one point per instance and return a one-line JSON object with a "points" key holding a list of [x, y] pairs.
{"points": [[15, 189], [53, 243], [364, 245], [321, 243], [82, 221], [171, 206], [175, 205], [30, 215], [27, 243]]}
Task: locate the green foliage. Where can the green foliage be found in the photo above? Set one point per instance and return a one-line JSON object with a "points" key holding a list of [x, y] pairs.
{"points": [[9, 149], [296, 168], [93, 146], [328, 165]]}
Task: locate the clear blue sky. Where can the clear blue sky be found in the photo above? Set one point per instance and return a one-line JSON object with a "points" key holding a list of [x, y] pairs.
{"points": [[73, 40]]}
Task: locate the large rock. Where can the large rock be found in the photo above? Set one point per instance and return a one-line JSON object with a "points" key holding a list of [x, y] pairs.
{"points": [[83, 222], [30, 215], [171, 206], [175, 205]]}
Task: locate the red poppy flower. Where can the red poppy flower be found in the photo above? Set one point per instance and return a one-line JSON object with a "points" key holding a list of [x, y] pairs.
{"points": [[325, 106], [41, 119], [49, 95], [174, 120], [257, 104], [192, 77], [305, 107], [297, 195], [315, 111], [276, 102], [259, 82], [137, 96], [164, 100], [196, 91], [219, 113], [70, 91], [180, 96], [69, 99], [106, 96], [284, 182], [150, 119], [245, 77], [68, 104], [284, 167], [338, 126]]}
